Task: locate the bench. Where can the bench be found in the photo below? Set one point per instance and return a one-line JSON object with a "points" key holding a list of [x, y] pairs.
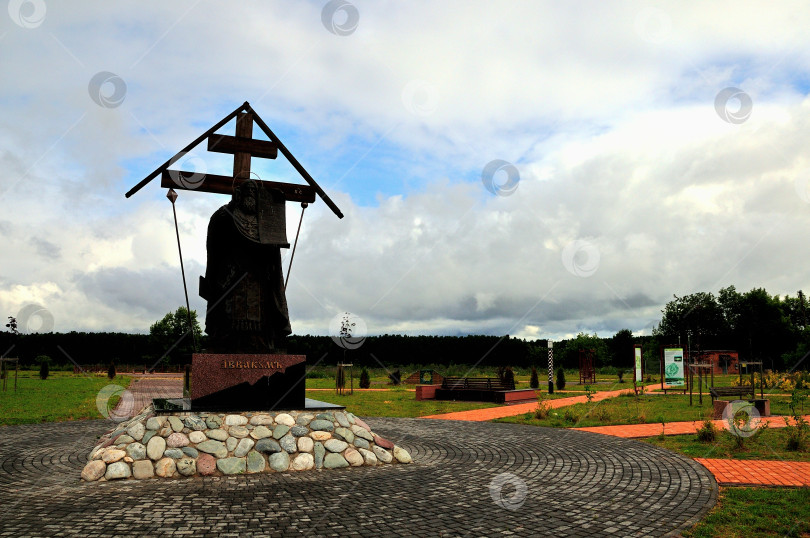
{"points": [[762, 406], [480, 389], [716, 392], [476, 383]]}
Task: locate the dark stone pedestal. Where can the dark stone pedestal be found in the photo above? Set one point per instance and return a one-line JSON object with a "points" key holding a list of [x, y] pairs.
{"points": [[244, 382]]}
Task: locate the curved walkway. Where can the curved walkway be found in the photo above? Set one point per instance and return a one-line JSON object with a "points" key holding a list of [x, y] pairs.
{"points": [[637, 431], [490, 413], [479, 479]]}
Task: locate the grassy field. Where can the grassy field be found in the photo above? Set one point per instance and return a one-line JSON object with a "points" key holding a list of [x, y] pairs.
{"points": [[395, 403], [770, 444], [631, 410], [749, 512], [63, 396]]}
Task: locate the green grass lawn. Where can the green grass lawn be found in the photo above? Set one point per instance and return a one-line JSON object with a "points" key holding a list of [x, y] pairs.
{"points": [[767, 445], [63, 396], [396, 403], [749, 512], [629, 410]]}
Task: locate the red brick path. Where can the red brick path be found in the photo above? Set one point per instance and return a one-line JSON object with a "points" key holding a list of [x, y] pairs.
{"points": [[631, 431], [758, 472], [481, 415]]}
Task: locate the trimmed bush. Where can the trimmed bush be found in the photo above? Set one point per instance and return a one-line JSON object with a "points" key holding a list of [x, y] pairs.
{"points": [[508, 375], [43, 370], [560, 378], [533, 381], [395, 377], [111, 371], [365, 380]]}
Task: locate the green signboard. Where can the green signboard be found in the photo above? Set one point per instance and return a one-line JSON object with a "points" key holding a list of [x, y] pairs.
{"points": [[673, 366]]}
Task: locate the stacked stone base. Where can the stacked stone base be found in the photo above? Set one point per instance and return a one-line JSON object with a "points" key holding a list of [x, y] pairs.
{"points": [[204, 444]]}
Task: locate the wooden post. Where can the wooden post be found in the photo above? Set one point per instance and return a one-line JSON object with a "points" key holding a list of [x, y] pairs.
{"points": [[753, 386], [690, 382], [241, 160]]}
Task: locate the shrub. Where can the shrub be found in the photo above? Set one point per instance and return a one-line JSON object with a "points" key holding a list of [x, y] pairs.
{"points": [[620, 374], [707, 433], [394, 377], [111, 371], [799, 432], [542, 411], [560, 378], [43, 370], [365, 380], [533, 381], [508, 376], [589, 392]]}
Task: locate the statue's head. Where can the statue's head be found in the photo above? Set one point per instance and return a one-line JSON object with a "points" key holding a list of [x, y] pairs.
{"points": [[246, 196]]}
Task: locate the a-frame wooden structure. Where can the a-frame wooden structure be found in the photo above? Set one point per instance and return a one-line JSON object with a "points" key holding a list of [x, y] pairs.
{"points": [[243, 146]]}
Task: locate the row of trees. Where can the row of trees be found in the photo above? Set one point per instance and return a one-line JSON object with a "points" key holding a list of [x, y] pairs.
{"points": [[759, 326]]}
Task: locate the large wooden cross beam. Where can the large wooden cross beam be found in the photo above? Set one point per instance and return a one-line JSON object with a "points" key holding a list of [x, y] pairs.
{"points": [[242, 146]]}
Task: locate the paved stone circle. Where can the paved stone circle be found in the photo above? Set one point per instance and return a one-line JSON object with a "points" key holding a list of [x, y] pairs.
{"points": [[468, 479]]}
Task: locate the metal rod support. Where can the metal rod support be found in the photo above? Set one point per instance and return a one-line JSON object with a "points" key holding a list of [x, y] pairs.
{"points": [[295, 244], [172, 196]]}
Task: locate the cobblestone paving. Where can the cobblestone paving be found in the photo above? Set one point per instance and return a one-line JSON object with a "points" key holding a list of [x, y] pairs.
{"points": [[560, 483]]}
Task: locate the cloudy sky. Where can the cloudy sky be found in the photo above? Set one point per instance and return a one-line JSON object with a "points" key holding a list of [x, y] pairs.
{"points": [[526, 168]]}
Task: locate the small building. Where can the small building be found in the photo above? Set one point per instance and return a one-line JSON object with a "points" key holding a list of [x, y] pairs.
{"points": [[723, 361]]}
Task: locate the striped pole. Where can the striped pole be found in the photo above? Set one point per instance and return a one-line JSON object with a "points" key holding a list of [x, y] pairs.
{"points": [[550, 367]]}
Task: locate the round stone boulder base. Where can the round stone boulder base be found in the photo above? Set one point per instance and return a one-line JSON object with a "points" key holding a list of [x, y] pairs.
{"points": [[186, 444]]}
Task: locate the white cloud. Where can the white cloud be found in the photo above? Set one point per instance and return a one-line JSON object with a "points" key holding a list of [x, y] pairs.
{"points": [[611, 125]]}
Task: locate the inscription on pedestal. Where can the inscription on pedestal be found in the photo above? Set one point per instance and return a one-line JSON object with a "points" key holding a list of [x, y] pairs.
{"points": [[265, 365], [245, 382]]}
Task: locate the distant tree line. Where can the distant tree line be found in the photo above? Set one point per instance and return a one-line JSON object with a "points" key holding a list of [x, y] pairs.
{"points": [[759, 326]]}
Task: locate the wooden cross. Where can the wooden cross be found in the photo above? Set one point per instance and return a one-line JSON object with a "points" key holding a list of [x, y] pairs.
{"points": [[243, 147]]}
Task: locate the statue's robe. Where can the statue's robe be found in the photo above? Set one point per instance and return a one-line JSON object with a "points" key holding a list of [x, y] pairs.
{"points": [[244, 286]]}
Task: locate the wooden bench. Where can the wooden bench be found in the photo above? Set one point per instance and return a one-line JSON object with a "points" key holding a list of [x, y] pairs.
{"points": [[476, 383], [717, 392], [479, 389], [762, 406]]}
